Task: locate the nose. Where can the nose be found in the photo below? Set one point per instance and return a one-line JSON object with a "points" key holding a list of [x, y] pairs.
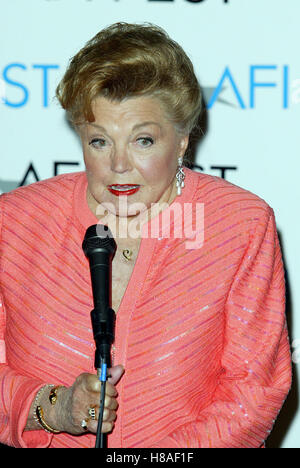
{"points": [[120, 161]]}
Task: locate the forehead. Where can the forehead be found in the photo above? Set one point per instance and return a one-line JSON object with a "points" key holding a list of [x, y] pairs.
{"points": [[129, 112]]}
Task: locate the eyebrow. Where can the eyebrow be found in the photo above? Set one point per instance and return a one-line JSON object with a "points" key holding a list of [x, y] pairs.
{"points": [[135, 127], [144, 124], [97, 126]]}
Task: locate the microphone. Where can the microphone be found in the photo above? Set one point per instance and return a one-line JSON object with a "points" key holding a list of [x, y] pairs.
{"points": [[99, 247]]}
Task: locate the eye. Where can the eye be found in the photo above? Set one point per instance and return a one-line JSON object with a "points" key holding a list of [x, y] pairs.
{"points": [[97, 143], [145, 142]]}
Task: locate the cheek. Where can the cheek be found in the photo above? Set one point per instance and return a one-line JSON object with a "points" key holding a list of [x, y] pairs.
{"points": [[89, 162], [94, 167], [158, 171]]}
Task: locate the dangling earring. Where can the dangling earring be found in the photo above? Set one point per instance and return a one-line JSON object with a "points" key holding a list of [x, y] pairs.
{"points": [[180, 176]]}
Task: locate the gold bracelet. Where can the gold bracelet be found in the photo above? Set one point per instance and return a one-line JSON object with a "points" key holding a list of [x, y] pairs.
{"points": [[37, 400], [40, 417], [38, 412]]}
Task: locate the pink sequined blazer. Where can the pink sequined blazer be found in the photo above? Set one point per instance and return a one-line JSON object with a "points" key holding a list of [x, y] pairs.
{"points": [[200, 331]]}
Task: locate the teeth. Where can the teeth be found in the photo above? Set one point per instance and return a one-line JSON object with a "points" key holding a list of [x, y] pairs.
{"points": [[124, 188]]}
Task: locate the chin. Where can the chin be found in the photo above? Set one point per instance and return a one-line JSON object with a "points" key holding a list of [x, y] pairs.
{"points": [[121, 210]]}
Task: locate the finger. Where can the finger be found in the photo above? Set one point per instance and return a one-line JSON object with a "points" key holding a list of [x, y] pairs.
{"points": [[110, 390], [109, 415], [115, 373], [92, 383], [107, 426], [111, 403]]}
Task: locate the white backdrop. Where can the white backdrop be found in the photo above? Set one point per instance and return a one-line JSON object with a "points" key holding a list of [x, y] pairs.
{"points": [[246, 56]]}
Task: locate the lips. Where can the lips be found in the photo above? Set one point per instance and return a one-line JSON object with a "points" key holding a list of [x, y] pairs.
{"points": [[123, 189]]}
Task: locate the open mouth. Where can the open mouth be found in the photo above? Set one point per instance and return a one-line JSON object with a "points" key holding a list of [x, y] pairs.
{"points": [[123, 189]]}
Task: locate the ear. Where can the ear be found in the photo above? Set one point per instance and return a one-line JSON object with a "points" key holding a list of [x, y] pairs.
{"points": [[183, 144]]}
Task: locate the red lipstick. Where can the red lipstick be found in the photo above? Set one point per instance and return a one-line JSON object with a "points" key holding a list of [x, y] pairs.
{"points": [[123, 189]]}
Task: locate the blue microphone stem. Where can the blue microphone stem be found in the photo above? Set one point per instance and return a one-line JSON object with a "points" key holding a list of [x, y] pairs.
{"points": [[102, 374]]}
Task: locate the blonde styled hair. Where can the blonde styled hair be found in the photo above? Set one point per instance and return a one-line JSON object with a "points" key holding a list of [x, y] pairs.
{"points": [[131, 60]]}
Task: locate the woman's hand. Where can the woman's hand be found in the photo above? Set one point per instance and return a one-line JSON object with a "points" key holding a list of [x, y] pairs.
{"points": [[73, 404]]}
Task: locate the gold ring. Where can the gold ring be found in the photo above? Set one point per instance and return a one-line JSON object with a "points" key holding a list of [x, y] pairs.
{"points": [[92, 412]]}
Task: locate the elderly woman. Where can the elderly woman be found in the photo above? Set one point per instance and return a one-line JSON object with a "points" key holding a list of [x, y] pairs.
{"points": [[201, 353]]}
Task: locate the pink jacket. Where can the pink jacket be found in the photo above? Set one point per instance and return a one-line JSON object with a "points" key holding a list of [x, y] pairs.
{"points": [[201, 332]]}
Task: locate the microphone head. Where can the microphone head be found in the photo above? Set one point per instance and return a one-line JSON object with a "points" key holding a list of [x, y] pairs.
{"points": [[98, 238]]}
